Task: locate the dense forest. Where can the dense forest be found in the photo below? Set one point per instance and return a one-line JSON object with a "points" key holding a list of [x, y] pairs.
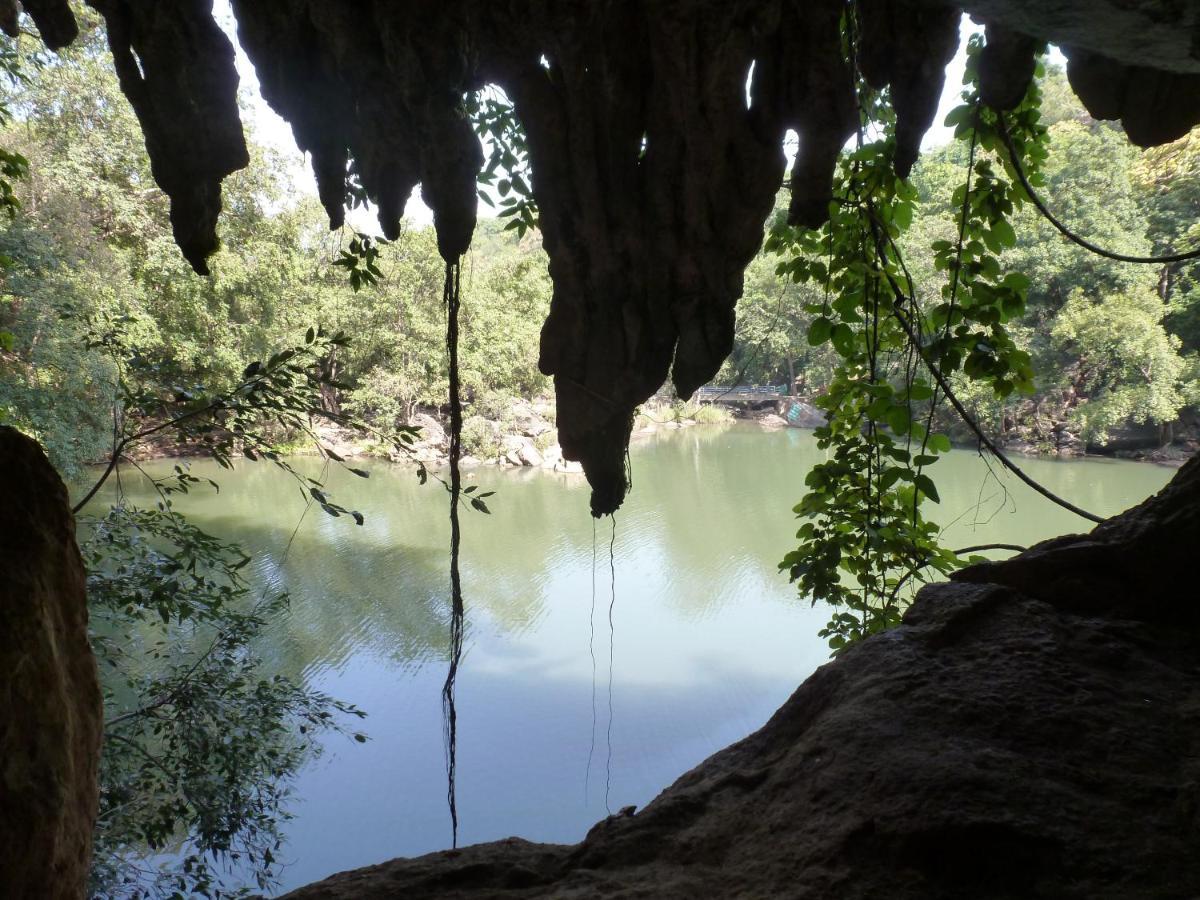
{"points": [[98, 306], [94, 282], [1112, 345]]}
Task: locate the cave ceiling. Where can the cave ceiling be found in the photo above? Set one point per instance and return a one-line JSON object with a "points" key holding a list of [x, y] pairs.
{"points": [[653, 170]]}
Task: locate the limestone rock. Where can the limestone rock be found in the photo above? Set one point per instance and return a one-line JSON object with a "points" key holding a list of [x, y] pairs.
{"points": [[176, 67], [1030, 730], [50, 711], [657, 159], [432, 431], [529, 455], [801, 414]]}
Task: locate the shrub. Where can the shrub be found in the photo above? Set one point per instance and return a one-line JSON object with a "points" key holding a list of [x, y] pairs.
{"points": [[479, 438], [710, 414], [659, 415]]}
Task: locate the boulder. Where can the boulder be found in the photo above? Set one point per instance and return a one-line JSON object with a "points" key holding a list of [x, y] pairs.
{"points": [[552, 456], [51, 718], [529, 455], [1031, 729], [432, 431]]}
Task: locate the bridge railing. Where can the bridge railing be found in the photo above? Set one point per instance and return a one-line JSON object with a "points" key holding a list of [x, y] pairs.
{"points": [[764, 390]]}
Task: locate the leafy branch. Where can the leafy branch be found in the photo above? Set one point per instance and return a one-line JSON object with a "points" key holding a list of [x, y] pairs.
{"points": [[865, 543], [506, 169]]}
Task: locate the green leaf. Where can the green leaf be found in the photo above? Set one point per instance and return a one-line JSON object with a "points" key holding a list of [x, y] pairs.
{"points": [[939, 443], [819, 331], [1004, 233], [925, 485]]}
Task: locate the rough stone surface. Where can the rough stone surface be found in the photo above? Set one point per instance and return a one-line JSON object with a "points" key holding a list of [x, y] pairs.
{"points": [[176, 67], [1031, 730], [1133, 32], [530, 456], [50, 712], [1154, 106], [653, 169], [432, 431]]}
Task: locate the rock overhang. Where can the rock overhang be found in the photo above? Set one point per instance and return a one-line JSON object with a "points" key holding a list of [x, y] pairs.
{"points": [[653, 170]]}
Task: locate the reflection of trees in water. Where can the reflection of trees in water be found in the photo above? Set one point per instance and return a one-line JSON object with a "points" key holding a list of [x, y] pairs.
{"points": [[709, 516], [712, 508], [383, 587]]}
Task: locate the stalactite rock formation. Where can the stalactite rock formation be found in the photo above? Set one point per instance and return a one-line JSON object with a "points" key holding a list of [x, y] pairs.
{"points": [[654, 164], [50, 714], [1031, 729]]}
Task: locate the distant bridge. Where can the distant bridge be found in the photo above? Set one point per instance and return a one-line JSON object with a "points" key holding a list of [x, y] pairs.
{"points": [[754, 396]]}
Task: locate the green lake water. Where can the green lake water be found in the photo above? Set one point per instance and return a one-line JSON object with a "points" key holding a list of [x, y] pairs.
{"points": [[707, 638]]}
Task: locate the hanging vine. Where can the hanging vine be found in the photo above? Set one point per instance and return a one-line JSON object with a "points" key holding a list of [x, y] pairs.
{"points": [[866, 543]]}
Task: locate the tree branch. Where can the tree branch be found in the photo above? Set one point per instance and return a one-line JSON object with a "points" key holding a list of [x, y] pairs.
{"points": [[1066, 232]]}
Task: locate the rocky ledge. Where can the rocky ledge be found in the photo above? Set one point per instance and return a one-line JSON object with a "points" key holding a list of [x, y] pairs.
{"points": [[1031, 729]]}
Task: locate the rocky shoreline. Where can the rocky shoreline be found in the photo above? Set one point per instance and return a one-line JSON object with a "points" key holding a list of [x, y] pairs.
{"points": [[523, 435]]}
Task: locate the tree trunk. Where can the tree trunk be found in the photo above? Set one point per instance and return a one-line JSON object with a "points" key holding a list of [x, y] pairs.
{"points": [[1166, 434]]}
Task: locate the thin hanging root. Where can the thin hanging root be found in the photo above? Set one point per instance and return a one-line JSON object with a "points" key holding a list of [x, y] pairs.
{"points": [[612, 571], [450, 294], [1015, 159], [911, 332], [587, 775]]}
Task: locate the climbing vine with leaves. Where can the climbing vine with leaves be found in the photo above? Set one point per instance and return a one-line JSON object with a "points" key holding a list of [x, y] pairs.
{"points": [[866, 542]]}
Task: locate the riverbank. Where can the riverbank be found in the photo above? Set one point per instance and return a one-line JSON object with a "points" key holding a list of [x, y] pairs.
{"points": [[523, 435]]}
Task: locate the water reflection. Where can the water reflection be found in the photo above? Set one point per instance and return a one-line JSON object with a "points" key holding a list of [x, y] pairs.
{"points": [[709, 639]]}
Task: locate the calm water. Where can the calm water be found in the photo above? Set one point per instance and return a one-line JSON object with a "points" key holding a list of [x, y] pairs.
{"points": [[707, 639]]}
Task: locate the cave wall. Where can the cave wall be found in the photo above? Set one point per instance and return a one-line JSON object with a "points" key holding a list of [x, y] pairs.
{"points": [[50, 710], [653, 172]]}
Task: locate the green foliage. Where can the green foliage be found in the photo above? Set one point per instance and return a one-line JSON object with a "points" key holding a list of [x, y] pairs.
{"points": [[773, 319], [480, 438], [1128, 367], [285, 390], [711, 414], [546, 440], [361, 260], [506, 169], [954, 280], [1168, 182], [866, 540], [200, 743], [92, 246]]}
